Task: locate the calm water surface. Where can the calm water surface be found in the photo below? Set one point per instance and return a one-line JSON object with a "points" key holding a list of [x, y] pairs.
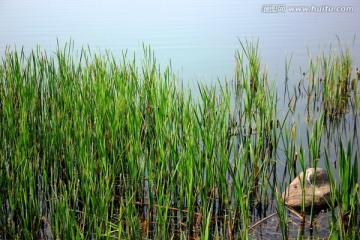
{"points": [[199, 37]]}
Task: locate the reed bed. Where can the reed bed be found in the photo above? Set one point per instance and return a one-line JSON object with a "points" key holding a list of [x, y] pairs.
{"points": [[95, 147], [332, 80]]}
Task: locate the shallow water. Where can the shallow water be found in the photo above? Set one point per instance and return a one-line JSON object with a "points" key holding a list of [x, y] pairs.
{"points": [[200, 38]]}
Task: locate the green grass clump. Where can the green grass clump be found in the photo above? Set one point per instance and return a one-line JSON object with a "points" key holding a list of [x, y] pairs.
{"points": [[345, 192], [98, 147], [95, 147], [331, 81]]}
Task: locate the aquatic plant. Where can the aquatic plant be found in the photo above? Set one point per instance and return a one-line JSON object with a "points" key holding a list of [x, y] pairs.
{"points": [[330, 81], [98, 147], [345, 191]]}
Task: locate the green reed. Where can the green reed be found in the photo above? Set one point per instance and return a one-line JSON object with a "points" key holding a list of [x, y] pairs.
{"points": [[258, 127], [107, 149], [330, 81], [345, 192], [98, 147]]}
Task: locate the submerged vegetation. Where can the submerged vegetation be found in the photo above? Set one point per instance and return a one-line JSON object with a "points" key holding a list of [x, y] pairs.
{"points": [[94, 147]]}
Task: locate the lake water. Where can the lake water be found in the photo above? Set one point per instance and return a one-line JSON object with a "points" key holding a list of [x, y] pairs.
{"points": [[200, 37]]}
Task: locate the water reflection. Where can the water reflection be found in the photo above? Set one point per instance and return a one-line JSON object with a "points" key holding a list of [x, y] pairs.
{"points": [[200, 38], [318, 134]]}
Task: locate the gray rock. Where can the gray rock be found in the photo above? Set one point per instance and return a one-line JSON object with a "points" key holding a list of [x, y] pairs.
{"points": [[316, 189]]}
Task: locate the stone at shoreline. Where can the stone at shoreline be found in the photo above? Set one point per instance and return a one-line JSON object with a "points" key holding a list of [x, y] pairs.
{"points": [[317, 190]]}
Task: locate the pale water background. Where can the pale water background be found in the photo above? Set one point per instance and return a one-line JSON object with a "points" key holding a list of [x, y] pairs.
{"points": [[200, 37]]}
